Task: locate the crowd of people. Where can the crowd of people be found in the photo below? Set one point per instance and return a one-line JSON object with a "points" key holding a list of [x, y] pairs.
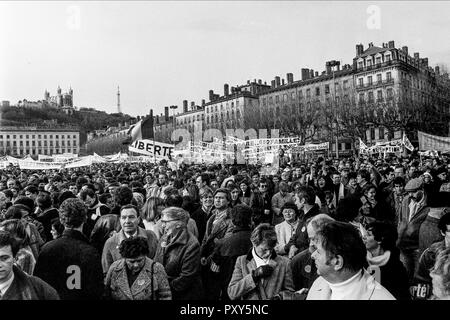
{"points": [[354, 228]]}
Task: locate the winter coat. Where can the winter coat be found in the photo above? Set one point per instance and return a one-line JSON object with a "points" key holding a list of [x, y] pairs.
{"points": [[181, 260], [243, 287], [214, 231], [304, 271], [26, 287], [300, 237], [105, 227], [408, 229], [111, 250], [201, 218], [46, 219], [72, 266], [150, 284], [429, 232]]}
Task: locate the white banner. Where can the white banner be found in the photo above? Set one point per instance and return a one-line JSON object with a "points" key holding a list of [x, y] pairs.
{"points": [[150, 148]]}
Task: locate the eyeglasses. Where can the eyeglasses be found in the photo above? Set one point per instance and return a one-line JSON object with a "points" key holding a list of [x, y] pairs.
{"points": [[166, 221]]}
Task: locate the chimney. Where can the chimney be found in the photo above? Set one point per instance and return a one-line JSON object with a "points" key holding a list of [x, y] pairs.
{"points": [[359, 49], [371, 45], [282, 82], [265, 83], [311, 73], [277, 81], [436, 70], [248, 81], [305, 74], [328, 67], [185, 103], [225, 90], [317, 73], [157, 119], [211, 95], [166, 113], [259, 81], [192, 105], [425, 62], [272, 84], [416, 55], [203, 102], [290, 78], [391, 44], [405, 49]]}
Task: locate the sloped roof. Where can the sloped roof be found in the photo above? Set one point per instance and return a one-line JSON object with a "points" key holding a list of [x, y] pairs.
{"points": [[373, 50]]}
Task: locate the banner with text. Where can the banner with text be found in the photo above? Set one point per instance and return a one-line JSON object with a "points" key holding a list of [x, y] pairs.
{"points": [[150, 148], [430, 142]]}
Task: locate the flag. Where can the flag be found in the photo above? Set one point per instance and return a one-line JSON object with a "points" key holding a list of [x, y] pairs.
{"points": [[408, 145], [141, 130], [362, 145]]}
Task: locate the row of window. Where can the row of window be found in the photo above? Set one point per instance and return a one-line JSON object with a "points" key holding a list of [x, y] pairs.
{"points": [[369, 61], [370, 95], [27, 136], [191, 119], [36, 152], [379, 79], [215, 108], [33, 143]]}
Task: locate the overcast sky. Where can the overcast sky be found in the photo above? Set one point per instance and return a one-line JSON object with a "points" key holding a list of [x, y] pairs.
{"points": [[161, 53]]}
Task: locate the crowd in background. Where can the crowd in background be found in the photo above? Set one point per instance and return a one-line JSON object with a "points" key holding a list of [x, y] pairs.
{"points": [[226, 232]]}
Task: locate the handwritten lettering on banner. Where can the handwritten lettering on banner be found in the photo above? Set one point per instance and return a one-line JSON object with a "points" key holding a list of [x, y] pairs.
{"points": [[149, 148], [431, 142]]}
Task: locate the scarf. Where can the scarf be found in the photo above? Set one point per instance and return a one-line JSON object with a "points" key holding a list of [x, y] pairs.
{"points": [[380, 260]]}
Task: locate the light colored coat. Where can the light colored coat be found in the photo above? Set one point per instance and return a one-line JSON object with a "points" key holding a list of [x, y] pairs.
{"points": [[111, 248], [243, 287], [369, 290], [149, 284]]}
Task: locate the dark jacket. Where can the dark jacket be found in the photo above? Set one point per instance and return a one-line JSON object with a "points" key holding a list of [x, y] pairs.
{"points": [[105, 227], [429, 232], [94, 213], [181, 260], [26, 287], [201, 218], [300, 237], [72, 266], [394, 278], [304, 271], [228, 250], [259, 203]]}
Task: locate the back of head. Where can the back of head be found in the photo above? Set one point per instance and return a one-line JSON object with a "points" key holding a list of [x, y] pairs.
{"points": [[17, 228], [133, 247], [44, 200], [319, 220], [26, 201], [72, 213], [241, 216], [386, 234], [343, 239], [264, 233], [348, 208], [174, 200], [124, 195]]}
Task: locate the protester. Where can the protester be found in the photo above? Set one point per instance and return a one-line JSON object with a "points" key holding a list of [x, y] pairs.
{"points": [[440, 275], [15, 284], [340, 258], [179, 252], [136, 276], [261, 274], [70, 264]]}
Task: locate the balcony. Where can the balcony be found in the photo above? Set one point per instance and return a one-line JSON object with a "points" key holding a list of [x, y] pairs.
{"points": [[374, 85]]}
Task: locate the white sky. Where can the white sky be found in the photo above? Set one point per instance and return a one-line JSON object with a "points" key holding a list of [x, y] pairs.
{"points": [[161, 53]]}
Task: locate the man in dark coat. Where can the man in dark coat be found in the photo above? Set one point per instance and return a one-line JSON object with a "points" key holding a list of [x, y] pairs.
{"points": [[299, 240], [16, 284], [70, 264]]}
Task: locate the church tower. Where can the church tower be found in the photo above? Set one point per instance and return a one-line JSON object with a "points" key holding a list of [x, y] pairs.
{"points": [[118, 101]]}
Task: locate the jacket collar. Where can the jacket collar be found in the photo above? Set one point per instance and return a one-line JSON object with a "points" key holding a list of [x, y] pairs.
{"points": [[249, 257], [140, 233], [141, 283], [75, 234], [180, 238]]}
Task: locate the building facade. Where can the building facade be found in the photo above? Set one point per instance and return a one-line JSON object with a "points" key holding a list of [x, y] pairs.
{"points": [[22, 141]]}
